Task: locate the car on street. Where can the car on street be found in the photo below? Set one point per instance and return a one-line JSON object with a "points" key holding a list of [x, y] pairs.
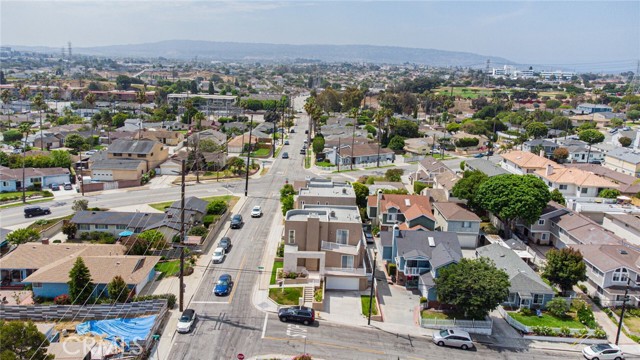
{"points": [[256, 211], [223, 286], [368, 236], [225, 244], [54, 186], [306, 131], [185, 323], [292, 131], [236, 221], [67, 186], [299, 314], [218, 255], [303, 151], [31, 211], [478, 155], [455, 338], [285, 155], [603, 352]]}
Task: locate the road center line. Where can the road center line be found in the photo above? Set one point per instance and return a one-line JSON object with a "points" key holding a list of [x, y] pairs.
{"points": [[237, 281], [264, 327], [209, 302]]}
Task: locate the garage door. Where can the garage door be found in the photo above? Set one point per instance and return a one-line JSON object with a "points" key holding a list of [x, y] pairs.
{"points": [[342, 283]]}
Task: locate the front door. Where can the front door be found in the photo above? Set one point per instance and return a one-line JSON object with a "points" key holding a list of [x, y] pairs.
{"points": [[525, 303]]}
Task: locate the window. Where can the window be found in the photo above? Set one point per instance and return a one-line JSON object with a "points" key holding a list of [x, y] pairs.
{"points": [[101, 227], [599, 290], [292, 237], [347, 261], [121, 227], [4, 183], [83, 226], [541, 222], [36, 180], [563, 187], [391, 218], [36, 285], [466, 224], [544, 236], [117, 154], [584, 190], [142, 155], [619, 297], [537, 298], [512, 298], [620, 275], [342, 236]]}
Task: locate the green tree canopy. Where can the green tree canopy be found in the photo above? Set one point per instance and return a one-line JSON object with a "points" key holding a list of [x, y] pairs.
{"points": [[217, 207], [406, 128], [512, 197], [11, 135], [591, 136], [453, 127], [286, 190], [318, 144], [21, 340], [474, 286], [609, 193], [74, 141], [467, 187], [561, 123], [396, 143], [557, 196], [537, 130], [362, 193], [565, 268], [24, 235], [80, 283], [625, 141], [394, 175], [118, 290], [80, 205]]}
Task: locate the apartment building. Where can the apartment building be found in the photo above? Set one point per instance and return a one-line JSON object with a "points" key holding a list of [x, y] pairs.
{"points": [[318, 191]]}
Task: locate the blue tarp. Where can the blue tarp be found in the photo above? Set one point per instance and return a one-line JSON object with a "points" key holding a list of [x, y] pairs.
{"points": [[126, 233], [126, 330]]}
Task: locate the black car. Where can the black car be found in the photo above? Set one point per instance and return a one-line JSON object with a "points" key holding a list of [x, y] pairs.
{"points": [[303, 151], [31, 211], [236, 221], [299, 314], [225, 243], [285, 155]]}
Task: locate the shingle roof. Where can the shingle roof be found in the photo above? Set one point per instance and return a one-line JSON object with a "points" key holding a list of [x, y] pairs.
{"points": [[430, 165], [410, 205], [37, 255], [609, 257], [121, 146], [131, 219], [631, 220], [528, 160], [624, 154], [16, 174], [117, 164], [606, 173], [585, 230], [412, 243], [363, 150], [523, 278], [453, 211], [486, 166], [447, 179]]}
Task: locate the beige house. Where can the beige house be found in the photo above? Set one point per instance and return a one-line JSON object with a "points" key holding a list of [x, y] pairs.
{"points": [[115, 170], [623, 160], [524, 162], [318, 191], [327, 242], [166, 137], [151, 152], [573, 182]]}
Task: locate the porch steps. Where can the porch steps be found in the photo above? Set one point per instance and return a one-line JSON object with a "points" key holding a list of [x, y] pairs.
{"points": [[308, 295]]}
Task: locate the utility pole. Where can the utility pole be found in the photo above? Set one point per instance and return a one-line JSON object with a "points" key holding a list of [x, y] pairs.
{"points": [[338, 157], [182, 240], [624, 303], [353, 136], [24, 154], [246, 183], [373, 283]]}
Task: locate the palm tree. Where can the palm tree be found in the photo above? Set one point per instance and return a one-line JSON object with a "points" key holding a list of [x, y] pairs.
{"points": [[6, 98], [106, 121], [353, 113], [380, 116], [199, 116], [24, 94], [25, 129], [40, 105], [90, 99]]}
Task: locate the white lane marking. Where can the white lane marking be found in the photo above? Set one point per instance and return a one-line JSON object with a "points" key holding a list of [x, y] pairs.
{"points": [[264, 327], [209, 302]]}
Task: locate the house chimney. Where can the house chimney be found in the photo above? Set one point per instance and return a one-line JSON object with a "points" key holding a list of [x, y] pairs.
{"points": [[549, 170], [45, 241], [542, 154]]}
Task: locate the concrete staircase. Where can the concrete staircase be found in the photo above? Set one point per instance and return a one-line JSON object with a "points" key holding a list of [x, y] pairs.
{"points": [[308, 295]]}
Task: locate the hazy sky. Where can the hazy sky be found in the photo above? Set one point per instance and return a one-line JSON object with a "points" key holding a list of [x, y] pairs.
{"points": [[602, 33]]}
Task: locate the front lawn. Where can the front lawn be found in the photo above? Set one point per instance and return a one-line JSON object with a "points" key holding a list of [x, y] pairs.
{"points": [[228, 198], [444, 315], [548, 320], [286, 296], [276, 265], [168, 268], [364, 301], [324, 164], [17, 195], [262, 152], [43, 224]]}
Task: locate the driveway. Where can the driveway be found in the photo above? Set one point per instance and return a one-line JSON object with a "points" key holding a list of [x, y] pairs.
{"points": [[343, 307], [398, 304]]}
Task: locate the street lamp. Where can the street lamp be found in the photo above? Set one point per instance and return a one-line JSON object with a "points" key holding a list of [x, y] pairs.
{"points": [[373, 283]]}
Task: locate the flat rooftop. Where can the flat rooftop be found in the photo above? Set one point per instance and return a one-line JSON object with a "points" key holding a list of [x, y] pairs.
{"points": [[327, 188], [326, 213]]}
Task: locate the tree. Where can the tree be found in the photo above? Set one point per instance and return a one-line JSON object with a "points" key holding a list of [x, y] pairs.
{"points": [[406, 128], [80, 205], [74, 141], [123, 82], [394, 175], [474, 286], [211, 90], [118, 290], [565, 268], [236, 164], [21, 340], [396, 143], [560, 154], [615, 122], [453, 127], [625, 141], [609, 193], [209, 146], [467, 187], [362, 193], [553, 104], [286, 191], [80, 283], [11, 135], [217, 207], [287, 204], [591, 136], [537, 130], [561, 123], [558, 307], [557, 196], [512, 197], [70, 229], [153, 239], [318, 144], [352, 98], [40, 105], [633, 115], [24, 235]]}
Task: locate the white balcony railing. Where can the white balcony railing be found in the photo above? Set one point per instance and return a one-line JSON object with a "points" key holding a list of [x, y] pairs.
{"points": [[415, 270], [332, 246], [355, 271]]}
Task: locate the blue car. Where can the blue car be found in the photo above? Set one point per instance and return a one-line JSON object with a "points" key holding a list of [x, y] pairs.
{"points": [[223, 286]]}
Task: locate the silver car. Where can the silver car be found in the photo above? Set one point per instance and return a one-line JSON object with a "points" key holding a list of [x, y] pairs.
{"points": [[455, 338]]}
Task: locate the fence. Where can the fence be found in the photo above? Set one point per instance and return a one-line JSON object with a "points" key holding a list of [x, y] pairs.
{"points": [[52, 230], [529, 329], [147, 343], [67, 312], [445, 323]]}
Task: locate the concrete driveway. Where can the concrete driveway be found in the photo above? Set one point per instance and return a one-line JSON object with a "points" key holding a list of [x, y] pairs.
{"points": [[343, 307], [398, 304]]}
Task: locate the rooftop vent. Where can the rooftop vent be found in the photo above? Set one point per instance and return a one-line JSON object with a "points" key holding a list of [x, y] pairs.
{"points": [[332, 213], [623, 252], [407, 202], [432, 242]]}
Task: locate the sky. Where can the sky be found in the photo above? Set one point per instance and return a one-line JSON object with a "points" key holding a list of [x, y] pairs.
{"points": [[605, 34]]}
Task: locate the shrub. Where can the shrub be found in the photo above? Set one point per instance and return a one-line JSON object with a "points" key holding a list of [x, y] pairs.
{"points": [[418, 187], [583, 332], [62, 300], [558, 307], [207, 220], [394, 175], [423, 300], [600, 334], [526, 312], [585, 315], [280, 251], [375, 231], [57, 241], [217, 207], [171, 299], [198, 231], [317, 296], [47, 193], [564, 331], [303, 357], [544, 331], [466, 142], [391, 269], [489, 229], [582, 288]]}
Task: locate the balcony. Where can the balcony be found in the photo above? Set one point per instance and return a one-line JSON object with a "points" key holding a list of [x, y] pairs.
{"points": [[342, 271], [341, 248], [415, 270]]}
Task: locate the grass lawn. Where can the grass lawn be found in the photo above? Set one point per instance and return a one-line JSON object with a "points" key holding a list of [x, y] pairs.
{"points": [[324, 164], [276, 265], [286, 296], [262, 152], [278, 149], [633, 323], [364, 301], [448, 315], [8, 195], [169, 268], [230, 199], [42, 224], [21, 204], [547, 320]]}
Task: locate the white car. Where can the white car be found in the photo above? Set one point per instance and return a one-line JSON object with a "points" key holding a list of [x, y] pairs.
{"points": [[256, 211], [456, 338], [603, 352], [186, 321], [218, 255]]}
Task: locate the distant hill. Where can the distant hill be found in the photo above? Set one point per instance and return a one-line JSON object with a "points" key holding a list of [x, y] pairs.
{"points": [[230, 51]]}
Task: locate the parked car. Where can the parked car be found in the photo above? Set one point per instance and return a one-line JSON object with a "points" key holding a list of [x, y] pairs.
{"points": [[303, 151], [225, 244], [236, 221], [31, 211], [67, 186], [285, 155], [218, 255], [456, 338], [368, 236], [286, 142], [292, 131], [299, 314], [54, 187], [613, 131], [603, 352], [223, 286], [478, 155], [256, 211], [186, 321]]}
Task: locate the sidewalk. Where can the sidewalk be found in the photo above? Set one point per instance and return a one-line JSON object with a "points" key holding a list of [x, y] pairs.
{"points": [[171, 285]]}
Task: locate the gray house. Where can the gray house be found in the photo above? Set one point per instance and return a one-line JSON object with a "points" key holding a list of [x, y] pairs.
{"points": [[527, 289], [453, 217], [419, 255], [114, 222], [546, 145]]}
